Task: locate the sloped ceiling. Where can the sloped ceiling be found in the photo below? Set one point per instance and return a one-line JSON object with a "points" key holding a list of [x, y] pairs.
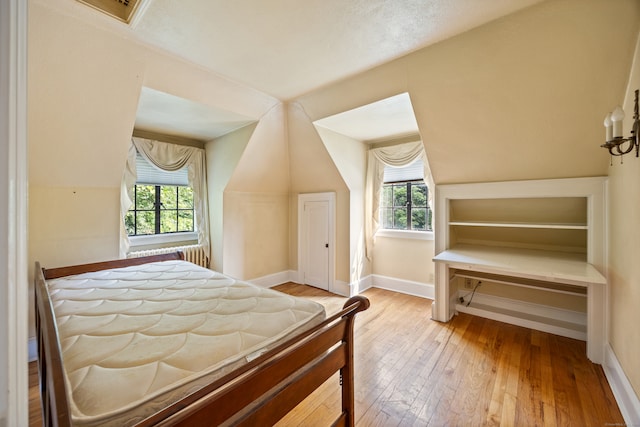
{"points": [[167, 114], [388, 118], [289, 47]]}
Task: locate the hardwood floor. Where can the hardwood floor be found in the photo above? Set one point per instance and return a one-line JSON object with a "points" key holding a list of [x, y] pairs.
{"points": [[412, 371]]}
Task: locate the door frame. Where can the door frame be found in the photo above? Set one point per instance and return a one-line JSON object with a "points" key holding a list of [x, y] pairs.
{"points": [[303, 198]]}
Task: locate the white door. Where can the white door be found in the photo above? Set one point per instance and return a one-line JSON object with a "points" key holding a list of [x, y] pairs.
{"points": [[316, 243]]}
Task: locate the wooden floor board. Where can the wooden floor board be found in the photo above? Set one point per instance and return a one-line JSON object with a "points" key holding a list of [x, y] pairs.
{"points": [[411, 370]]}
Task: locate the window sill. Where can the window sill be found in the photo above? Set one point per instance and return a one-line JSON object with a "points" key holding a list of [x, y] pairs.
{"points": [[158, 239], [405, 234]]}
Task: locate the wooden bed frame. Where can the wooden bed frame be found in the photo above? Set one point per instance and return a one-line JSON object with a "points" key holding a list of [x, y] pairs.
{"points": [[260, 392]]}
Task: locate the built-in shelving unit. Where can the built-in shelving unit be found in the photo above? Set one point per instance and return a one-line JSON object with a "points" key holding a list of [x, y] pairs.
{"points": [[544, 238]]}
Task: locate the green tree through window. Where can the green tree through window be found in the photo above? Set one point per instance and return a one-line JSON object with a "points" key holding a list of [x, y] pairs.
{"points": [[404, 206], [160, 209]]}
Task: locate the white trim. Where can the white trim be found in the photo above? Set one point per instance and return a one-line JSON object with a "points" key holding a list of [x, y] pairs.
{"points": [[627, 400], [158, 239], [418, 289], [568, 323], [329, 197], [274, 279], [346, 290], [405, 234], [141, 9], [13, 125]]}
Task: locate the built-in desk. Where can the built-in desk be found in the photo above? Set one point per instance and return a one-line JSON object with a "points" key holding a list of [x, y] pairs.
{"points": [[547, 270], [548, 235]]}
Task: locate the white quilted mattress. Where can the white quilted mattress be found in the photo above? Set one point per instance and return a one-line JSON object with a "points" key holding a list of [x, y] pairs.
{"points": [[135, 339]]}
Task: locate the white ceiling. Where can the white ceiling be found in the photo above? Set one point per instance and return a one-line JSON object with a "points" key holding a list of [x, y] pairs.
{"points": [[286, 48], [385, 119], [167, 114]]}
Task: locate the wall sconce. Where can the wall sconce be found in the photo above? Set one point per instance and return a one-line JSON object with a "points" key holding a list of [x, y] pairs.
{"points": [[613, 125]]}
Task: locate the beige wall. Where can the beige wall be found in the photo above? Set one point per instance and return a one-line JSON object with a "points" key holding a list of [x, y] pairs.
{"points": [[500, 102], [520, 98], [255, 234], [406, 259], [350, 157], [256, 198], [624, 244], [223, 155], [84, 83], [84, 79], [312, 170]]}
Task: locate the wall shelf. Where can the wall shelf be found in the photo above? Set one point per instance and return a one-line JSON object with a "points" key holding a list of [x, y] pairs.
{"points": [[543, 236], [549, 226]]}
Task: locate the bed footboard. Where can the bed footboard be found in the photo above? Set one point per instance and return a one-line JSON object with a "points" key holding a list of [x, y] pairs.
{"points": [[263, 391], [260, 392]]}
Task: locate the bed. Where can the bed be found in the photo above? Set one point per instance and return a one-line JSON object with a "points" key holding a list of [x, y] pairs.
{"points": [[160, 341]]}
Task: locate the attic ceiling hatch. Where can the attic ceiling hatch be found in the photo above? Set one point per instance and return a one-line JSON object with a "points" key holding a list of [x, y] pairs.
{"points": [[123, 10]]}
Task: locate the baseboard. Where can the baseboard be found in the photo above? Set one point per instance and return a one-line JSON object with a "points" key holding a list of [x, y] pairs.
{"points": [[418, 289], [275, 279], [627, 399], [540, 317], [344, 289]]}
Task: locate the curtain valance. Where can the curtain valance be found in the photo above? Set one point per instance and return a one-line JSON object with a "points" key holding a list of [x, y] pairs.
{"points": [[167, 157], [396, 156]]}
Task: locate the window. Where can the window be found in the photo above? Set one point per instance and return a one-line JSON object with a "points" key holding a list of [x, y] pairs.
{"points": [[162, 202], [404, 201], [160, 209]]}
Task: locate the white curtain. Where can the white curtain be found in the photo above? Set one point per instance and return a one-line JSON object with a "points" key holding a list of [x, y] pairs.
{"points": [[396, 156], [168, 157]]}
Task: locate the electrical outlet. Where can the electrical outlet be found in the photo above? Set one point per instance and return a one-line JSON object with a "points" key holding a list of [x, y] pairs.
{"points": [[468, 283]]}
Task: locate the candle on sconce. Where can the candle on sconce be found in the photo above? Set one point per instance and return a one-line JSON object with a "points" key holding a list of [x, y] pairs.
{"points": [[617, 117], [608, 126]]}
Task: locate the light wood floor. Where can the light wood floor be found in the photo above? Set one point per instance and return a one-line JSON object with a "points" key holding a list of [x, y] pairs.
{"points": [[471, 371]]}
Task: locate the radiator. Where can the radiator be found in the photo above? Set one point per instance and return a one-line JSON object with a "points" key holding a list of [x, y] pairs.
{"points": [[192, 253]]}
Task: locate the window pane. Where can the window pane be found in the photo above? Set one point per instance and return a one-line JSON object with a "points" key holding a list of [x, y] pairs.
{"points": [[129, 223], [400, 195], [185, 198], [145, 196], [168, 197], [185, 220], [418, 218], [418, 195], [146, 222], [386, 217], [387, 196], [400, 218], [168, 221]]}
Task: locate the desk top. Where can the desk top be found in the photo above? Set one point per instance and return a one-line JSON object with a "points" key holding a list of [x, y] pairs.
{"points": [[559, 267]]}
